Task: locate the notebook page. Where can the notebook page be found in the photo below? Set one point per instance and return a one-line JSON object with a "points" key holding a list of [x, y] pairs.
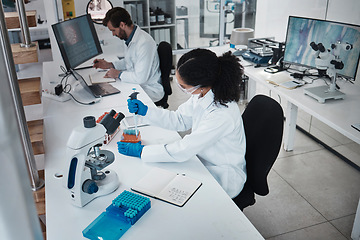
{"points": [[179, 190], [98, 77], [154, 181]]}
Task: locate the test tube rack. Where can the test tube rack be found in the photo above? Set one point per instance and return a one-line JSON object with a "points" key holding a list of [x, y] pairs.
{"points": [[131, 136], [124, 211]]}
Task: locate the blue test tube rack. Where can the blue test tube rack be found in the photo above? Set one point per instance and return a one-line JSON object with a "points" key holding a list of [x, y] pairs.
{"points": [[124, 211]]}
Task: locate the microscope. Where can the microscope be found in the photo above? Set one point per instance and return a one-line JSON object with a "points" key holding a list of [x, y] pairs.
{"points": [[328, 63], [83, 177]]}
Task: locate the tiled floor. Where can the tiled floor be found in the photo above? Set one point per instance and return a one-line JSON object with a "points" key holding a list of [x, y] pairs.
{"points": [[313, 194]]}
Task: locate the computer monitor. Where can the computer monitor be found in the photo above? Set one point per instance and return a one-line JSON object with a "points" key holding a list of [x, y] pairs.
{"points": [[77, 40], [302, 31]]}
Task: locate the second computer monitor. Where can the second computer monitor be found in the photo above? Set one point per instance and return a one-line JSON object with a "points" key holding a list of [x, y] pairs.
{"points": [[302, 31]]}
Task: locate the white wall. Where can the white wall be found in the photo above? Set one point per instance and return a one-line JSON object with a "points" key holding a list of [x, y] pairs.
{"points": [[272, 16], [344, 11]]}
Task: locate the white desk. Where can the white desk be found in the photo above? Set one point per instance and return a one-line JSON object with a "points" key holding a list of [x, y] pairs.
{"points": [[209, 214], [338, 114]]}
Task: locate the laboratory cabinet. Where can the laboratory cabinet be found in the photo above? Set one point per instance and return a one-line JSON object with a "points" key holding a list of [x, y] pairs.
{"points": [[155, 17]]}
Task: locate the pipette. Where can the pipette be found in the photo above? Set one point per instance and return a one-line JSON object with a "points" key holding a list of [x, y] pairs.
{"points": [[132, 97]]}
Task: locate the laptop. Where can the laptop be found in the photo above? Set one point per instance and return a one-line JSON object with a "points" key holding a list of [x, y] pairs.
{"points": [[99, 89]]}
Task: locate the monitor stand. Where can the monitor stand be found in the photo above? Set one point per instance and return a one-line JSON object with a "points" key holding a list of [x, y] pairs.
{"points": [[323, 93]]}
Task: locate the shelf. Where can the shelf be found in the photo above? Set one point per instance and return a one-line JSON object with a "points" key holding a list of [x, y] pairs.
{"points": [[182, 17], [167, 6], [23, 55], [161, 26], [36, 136], [43, 26], [39, 197], [12, 19], [30, 89]]}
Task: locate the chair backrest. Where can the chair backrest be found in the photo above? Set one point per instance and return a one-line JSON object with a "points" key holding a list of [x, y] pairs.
{"points": [[263, 121], [165, 55]]}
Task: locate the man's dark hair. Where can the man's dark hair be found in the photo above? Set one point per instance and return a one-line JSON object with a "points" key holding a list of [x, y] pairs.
{"points": [[117, 15]]}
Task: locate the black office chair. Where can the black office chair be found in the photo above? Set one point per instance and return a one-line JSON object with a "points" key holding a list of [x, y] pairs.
{"points": [[263, 123], [165, 55]]}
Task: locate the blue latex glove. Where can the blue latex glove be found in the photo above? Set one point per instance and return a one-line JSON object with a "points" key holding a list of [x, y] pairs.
{"points": [[130, 149], [136, 106]]}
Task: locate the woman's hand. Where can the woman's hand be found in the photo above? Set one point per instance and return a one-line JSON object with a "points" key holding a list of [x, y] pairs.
{"points": [[136, 106], [130, 149]]}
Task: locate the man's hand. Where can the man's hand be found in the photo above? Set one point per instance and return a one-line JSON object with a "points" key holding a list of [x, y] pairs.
{"points": [[112, 73], [101, 63]]}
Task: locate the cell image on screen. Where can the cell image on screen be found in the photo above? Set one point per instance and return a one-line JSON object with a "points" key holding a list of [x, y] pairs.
{"points": [[302, 31], [77, 41]]}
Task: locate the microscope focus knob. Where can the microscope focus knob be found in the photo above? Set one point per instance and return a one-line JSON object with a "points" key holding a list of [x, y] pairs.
{"points": [[90, 186], [89, 122]]}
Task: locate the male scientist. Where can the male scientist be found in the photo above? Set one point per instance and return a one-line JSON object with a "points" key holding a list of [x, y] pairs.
{"points": [[141, 62]]}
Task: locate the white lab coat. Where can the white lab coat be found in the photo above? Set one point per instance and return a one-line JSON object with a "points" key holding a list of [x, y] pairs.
{"points": [[217, 139], [141, 64]]}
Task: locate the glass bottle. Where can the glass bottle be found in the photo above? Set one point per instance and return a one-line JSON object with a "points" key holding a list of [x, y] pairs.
{"points": [[160, 16], [152, 17]]}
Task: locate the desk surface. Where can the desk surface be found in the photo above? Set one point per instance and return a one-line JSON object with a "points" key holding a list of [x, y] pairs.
{"points": [[209, 214], [338, 114], [51, 107]]}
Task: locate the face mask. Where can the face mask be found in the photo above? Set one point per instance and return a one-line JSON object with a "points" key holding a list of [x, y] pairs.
{"points": [[188, 90]]}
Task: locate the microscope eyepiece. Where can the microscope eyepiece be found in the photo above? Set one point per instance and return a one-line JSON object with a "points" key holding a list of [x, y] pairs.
{"points": [[111, 123], [321, 47], [314, 46], [112, 112], [120, 117]]}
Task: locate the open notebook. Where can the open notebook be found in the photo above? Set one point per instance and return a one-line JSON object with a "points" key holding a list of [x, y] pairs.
{"points": [[283, 79], [168, 186], [98, 76]]}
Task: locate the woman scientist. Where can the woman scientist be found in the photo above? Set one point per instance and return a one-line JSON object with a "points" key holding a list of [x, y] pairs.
{"points": [[217, 137]]}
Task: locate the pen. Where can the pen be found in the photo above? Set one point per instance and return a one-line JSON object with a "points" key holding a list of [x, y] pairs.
{"points": [[134, 96]]}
